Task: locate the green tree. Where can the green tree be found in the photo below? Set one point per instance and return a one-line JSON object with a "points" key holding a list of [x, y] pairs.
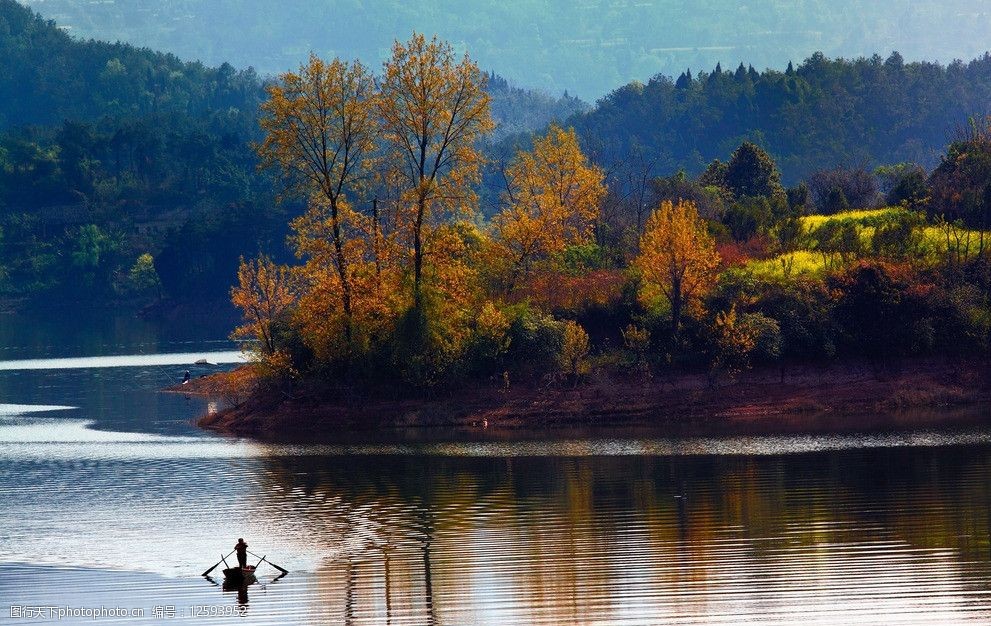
{"points": [[752, 172], [959, 184], [142, 277]]}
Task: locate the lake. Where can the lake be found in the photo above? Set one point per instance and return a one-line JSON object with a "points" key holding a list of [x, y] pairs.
{"points": [[112, 501]]}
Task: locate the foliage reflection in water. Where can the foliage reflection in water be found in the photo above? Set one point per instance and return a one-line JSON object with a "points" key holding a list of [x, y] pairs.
{"points": [[846, 536], [120, 501]]}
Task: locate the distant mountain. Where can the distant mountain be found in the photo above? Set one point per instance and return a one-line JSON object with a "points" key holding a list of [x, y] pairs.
{"points": [[517, 110], [46, 76], [585, 46], [115, 150]]}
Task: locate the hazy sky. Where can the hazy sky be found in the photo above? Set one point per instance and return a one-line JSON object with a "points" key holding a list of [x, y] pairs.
{"points": [[586, 46]]}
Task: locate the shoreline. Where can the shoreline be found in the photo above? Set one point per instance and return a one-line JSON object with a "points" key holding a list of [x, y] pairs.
{"points": [[849, 397]]}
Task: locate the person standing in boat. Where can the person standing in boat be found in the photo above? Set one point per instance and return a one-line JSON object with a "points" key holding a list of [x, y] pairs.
{"points": [[242, 552]]}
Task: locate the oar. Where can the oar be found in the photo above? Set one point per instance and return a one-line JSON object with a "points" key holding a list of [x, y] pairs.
{"points": [[223, 559], [281, 569]]}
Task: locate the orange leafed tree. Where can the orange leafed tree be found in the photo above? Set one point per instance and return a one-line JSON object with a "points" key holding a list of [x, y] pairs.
{"points": [[320, 128], [265, 293], [332, 332], [552, 200], [434, 108], [677, 257]]}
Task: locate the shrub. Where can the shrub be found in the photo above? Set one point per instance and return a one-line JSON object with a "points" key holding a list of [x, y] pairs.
{"points": [[748, 217], [766, 335], [489, 343], [730, 346], [802, 310], [573, 357], [580, 259], [535, 341], [637, 341], [870, 311], [899, 237], [840, 188]]}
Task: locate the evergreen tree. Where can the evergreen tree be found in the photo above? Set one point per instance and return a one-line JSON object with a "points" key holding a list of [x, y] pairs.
{"points": [[752, 172]]}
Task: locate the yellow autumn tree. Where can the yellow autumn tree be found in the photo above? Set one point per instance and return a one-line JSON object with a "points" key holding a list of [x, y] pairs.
{"points": [[333, 333], [677, 258], [320, 128], [433, 108], [552, 199], [266, 293]]}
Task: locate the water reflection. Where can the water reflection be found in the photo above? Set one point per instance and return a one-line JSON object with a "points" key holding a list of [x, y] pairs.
{"points": [[120, 501], [828, 538], [887, 535]]}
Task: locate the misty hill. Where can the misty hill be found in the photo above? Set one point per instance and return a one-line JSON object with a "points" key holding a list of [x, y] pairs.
{"points": [[586, 46], [108, 151], [48, 77]]}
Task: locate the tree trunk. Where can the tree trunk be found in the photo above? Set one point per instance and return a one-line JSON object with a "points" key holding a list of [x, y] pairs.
{"points": [[375, 237], [418, 253], [342, 272]]}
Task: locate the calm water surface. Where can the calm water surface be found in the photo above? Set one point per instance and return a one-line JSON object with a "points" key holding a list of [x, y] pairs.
{"points": [[109, 497]]}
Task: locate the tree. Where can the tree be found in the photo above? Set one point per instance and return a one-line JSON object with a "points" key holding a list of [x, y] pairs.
{"points": [[750, 216], [434, 108], [854, 184], [573, 359], [142, 277], [714, 175], [677, 257], [552, 200], [320, 128], [959, 184], [799, 199], [710, 200], [752, 172], [265, 293], [871, 313], [911, 190], [835, 202]]}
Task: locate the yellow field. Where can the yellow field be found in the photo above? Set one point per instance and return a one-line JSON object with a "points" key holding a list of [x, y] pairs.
{"points": [[790, 265], [932, 244], [864, 216]]}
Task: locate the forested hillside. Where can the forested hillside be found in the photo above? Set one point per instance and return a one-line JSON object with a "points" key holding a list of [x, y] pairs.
{"points": [[109, 152], [820, 114], [126, 172], [587, 46]]}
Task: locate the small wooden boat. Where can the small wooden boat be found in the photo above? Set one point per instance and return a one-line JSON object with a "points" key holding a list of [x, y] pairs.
{"points": [[239, 575]]}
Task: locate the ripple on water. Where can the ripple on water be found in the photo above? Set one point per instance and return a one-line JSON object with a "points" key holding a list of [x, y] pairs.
{"points": [[836, 537], [792, 529]]}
